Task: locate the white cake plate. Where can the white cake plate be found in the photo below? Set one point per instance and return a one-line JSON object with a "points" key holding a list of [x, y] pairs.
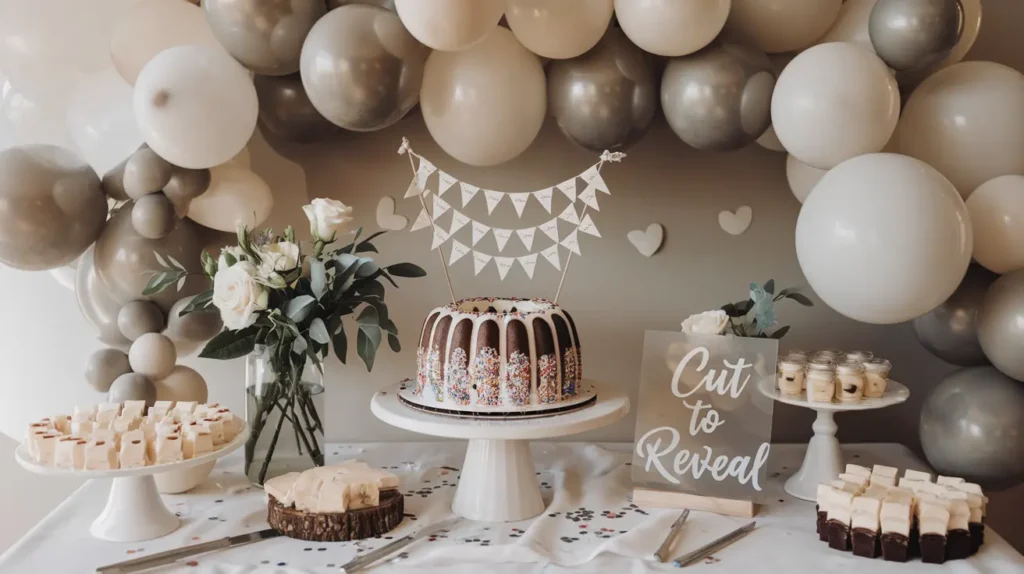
{"points": [[824, 461], [134, 509], [498, 482]]}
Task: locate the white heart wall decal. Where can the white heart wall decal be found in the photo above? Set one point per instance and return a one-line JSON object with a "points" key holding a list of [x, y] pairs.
{"points": [[738, 222], [386, 216], [648, 241]]}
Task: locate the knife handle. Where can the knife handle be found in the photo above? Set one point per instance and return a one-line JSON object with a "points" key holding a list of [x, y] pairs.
{"points": [[162, 558], [378, 554]]}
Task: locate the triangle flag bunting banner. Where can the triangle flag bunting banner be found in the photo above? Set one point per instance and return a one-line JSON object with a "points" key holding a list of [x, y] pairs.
{"points": [[519, 201], [529, 262], [544, 197], [480, 260], [589, 196], [572, 242], [569, 214], [593, 177], [504, 265], [444, 182], [551, 254], [568, 187], [587, 226], [468, 192], [413, 190], [550, 229], [440, 236], [426, 168], [479, 230], [440, 207], [493, 198], [501, 236], [422, 220], [459, 250], [460, 220], [526, 236]]}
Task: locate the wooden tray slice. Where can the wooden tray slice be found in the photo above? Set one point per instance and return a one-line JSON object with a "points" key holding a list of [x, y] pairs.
{"points": [[351, 525]]}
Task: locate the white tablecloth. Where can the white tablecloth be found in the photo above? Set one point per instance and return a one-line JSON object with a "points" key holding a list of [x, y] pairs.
{"points": [[589, 526]]}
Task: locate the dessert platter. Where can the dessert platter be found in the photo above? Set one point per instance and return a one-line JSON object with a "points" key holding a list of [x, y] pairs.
{"points": [[120, 441], [828, 382]]}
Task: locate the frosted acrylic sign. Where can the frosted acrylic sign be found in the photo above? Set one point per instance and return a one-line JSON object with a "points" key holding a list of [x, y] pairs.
{"points": [[702, 426]]}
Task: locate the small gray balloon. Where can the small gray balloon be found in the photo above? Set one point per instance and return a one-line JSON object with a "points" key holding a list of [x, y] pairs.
{"points": [[52, 207], [153, 216], [137, 318], [186, 185], [145, 173], [113, 182], [1001, 324], [190, 331], [914, 34], [286, 112], [386, 4], [361, 68], [132, 387], [266, 36], [950, 331], [971, 427], [606, 98], [97, 303], [103, 367], [720, 97]]}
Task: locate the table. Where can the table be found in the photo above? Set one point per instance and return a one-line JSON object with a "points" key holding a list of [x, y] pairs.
{"points": [[589, 525]]}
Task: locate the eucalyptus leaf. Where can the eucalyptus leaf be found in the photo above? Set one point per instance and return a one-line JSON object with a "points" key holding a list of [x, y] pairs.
{"points": [[384, 273], [406, 270], [769, 286], [340, 343], [372, 287], [299, 346], [389, 327], [317, 277], [231, 344], [365, 247], [367, 343], [160, 259], [780, 333], [394, 344], [368, 316], [299, 308], [801, 299], [199, 302], [367, 268], [318, 331]]}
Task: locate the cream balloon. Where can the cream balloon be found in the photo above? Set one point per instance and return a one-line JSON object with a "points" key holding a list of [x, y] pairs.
{"points": [[883, 238], [100, 121], [196, 106], [25, 119], [967, 121], [801, 177], [236, 196], [486, 104], [672, 27], [833, 102], [852, 25], [150, 27], [559, 30], [152, 355], [450, 25], [182, 384], [770, 141], [997, 215], [781, 25]]}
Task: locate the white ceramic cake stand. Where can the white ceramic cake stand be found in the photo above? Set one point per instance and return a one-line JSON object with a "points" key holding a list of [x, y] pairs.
{"points": [[824, 461], [134, 509], [498, 482]]}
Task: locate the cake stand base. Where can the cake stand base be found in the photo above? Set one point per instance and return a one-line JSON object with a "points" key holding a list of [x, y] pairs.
{"points": [[134, 512], [498, 482], [823, 461]]}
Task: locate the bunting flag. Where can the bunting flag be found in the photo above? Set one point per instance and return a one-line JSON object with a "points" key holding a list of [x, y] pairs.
{"points": [[480, 260], [459, 250], [441, 206], [444, 182], [479, 231], [544, 197], [422, 220], [529, 262], [504, 265], [460, 220], [426, 168], [587, 226], [468, 192], [568, 214], [550, 229], [589, 196], [593, 178], [493, 198], [501, 237], [413, 190], [519, 201], [440, 236], [526, 236], [551, 254], [572, 242], [568, 187]]}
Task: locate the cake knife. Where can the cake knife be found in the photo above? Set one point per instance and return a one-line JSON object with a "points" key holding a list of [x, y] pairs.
{"points": [[663, 551], [389, 549], [713, 546], [170, 556]]}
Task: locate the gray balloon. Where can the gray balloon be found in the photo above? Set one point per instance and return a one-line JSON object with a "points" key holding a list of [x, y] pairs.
{"points": [[97, 303], [132, 387], [606, 98], [103, 367], [386, 4], [914, 34], [266, 36], [153, 216], [720, 97], [1001, 324], [113, 182], [184, 186], [286, 112], [137, 318], [52, 207], [145, 173], [950, 331], [971, 426], [190, 331], [361, 68]]}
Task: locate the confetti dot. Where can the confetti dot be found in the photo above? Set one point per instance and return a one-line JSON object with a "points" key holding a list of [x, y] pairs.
{"points": [[192, 563], [281, 563], [321, 549], [218, 501], [195, 538]]}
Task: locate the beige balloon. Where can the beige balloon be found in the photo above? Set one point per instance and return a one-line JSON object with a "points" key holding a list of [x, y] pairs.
{"points": [[450, 24], [191, 331], [770, 141], [182, 384], [852, 25], [486, 104], [235, 196], [781, 25], [153, 355], [560, 30], [997, 217], [801, 177], [150, 27], [672, 27]]}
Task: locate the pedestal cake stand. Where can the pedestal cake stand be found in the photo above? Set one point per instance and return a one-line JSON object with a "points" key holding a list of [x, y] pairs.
{"points": [[134, 509], [824, 461], [498, 482]]}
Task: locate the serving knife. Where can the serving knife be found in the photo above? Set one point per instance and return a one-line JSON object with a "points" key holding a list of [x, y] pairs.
{"points": [[663, 551], [389, 549], [170, 556]]}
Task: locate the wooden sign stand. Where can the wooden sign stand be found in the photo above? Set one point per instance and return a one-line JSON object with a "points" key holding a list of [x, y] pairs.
{"points": [[645, 497]]}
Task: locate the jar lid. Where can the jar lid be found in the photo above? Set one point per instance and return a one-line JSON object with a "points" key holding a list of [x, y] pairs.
{"points": [[791, 364], [877, 364], [849, 368], [821, 366], [859, 355]]}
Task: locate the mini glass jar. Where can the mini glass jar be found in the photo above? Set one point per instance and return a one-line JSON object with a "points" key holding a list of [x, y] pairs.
{"points": [[796, 354], [876, 374], [791, 376], [821, 387], [859, 356], [850, 381], [830, 356]]}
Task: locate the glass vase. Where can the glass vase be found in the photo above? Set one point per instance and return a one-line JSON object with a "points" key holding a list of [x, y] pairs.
{"points": [[284, 415]]}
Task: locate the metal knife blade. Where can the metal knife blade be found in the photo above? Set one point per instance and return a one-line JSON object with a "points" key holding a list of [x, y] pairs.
{"points": [[389, 549], [169, 556], [663, 551]]}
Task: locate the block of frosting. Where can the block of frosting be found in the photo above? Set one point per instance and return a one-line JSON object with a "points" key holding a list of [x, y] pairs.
{"points": [[976, 503], [884, 475], [35, 432], [840, 509], [183, 410], [933, 523], [100, 455], [69, 452], [160, 409], [821, 508], [132, 453], [103, 434], [917, 475], [949, 480], [106, 412], [857, 470], [82, 428], [858, 480], [168, 449], [958, 535], [123, 424], [895, 520], [134, 409], [197, 442], [62, 423], [84, 412], [215, 427], [280, 487], [865, 522], [334, 497], [306, 491], [45, 448]]}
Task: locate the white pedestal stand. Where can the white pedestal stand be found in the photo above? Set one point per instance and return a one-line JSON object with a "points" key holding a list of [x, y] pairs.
{"points": [[824, 461], [498, 481]]}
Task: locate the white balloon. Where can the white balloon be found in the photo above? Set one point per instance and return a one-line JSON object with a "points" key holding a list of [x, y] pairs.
{"points": [[563, 29], [967, 121], [801, 177], [196, 106], [781, 25], [150, 27], [101, 121], [834, 102], [770, 141], [235, 196], [486, 104], [997, 215], [852, 25], [671, 27], [450, 24], [152, 355], [182, 384], [25, 119], [883, 238]]}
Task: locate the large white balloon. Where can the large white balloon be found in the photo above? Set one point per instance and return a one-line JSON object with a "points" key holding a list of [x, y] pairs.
{"points": [[196, 106], [883, 238], [563, 29], [101, 121], [801, 177], [967, 121], [450, 24], [486, 104], [852, 25], [997, 215], [235, 196], [833, 102], [152, 26], [25, 119], [780, 25], [671, 27]]}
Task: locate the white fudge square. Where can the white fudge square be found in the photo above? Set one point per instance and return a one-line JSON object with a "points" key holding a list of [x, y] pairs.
{"points": [[70, 453], [197, 443], [45, 447], [168, 449], [132, 453], [917, 475], [949, 480], [107, 412], [100, 455], [134, 409], [84, 412], [183, 409], [857, 470], [62, 423], [216, 429], [82, 428], [160, 409]]}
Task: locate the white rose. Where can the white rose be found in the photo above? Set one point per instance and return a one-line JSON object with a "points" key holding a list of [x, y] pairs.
{"points": [[327, 217], [234, 250], [237, 295], [706, 323], [278, 258]]}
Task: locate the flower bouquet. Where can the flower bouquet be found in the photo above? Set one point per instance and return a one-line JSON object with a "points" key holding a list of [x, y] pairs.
{"points": [[750, 318]]}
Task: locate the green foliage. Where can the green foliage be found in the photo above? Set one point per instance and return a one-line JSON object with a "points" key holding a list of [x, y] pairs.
{"points": [[752, 317]]}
